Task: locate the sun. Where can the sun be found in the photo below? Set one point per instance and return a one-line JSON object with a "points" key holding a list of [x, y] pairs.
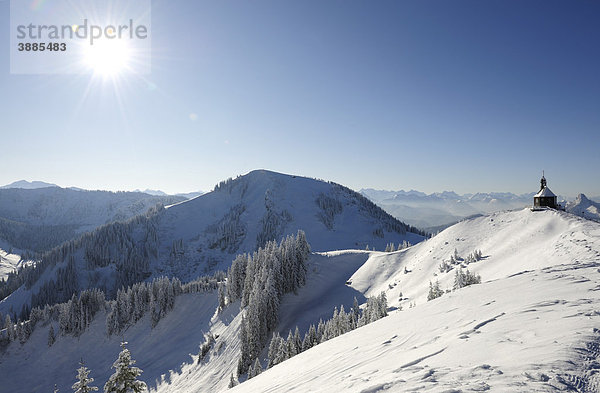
{"points": [[107, 57]]}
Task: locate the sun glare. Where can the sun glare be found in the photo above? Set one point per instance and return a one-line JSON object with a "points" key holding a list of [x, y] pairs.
{"points": [[107, 57]]}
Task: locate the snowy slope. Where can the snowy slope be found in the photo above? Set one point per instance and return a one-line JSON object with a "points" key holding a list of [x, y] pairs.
{"points": [[174, 344], [9, 262], [526, 328], [293, 199], [529, 327], [325, 289], [35, 367], [526, 333], [204, 234], [511, 242]]}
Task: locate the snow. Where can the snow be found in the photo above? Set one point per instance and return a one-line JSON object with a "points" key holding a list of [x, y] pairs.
{"points": [[528, 327], [35, 367], [9, 262], [325, 289], [196, 223], [545, 192], [522, 329], [297, 195], [511, 242], [507, 335]]}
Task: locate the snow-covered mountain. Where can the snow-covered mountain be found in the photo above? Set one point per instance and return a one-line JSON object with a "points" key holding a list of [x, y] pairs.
{"points": [[41, 218], [28, 185], [151, 192], [584, 207], [186, 195], [190, 195], [531, 325], [442, 209], [202, 235]]}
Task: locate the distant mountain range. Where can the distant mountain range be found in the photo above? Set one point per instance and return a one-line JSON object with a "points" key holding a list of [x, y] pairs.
{"points": [[439, 210], [38, 219], [28, 185], [32, 185]]}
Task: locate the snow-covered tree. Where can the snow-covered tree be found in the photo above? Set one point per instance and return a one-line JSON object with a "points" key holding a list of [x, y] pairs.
{"points": [[445, 267], [10, 328], [355, 313], [340, 323], [274, 350], [232, 382], [291, 346], [255, 369], [434, 291], [297, 340], [271, 272], [222, 302], [124, 379], [466, 278], [83, 384], [51, 336]]}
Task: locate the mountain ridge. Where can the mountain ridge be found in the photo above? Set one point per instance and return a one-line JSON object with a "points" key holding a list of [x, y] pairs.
{"points": [[29, 185], [203, 235]]}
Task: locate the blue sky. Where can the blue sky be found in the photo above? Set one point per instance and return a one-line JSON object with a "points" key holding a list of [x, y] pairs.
{"points": [[430, 95]]}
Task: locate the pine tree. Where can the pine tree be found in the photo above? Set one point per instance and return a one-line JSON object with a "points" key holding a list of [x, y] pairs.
{"points": [[83, 381], [245, 359], [232, 382], [124, 378], [221, 297], [297, 340], [290, 345], [255, 369], [51, 336], [434, 291], [355, 313], [10, 328], [274, 349]]}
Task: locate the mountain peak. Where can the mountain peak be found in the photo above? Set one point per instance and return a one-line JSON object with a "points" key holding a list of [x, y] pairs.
{"points": [[29, 185], [581, 198], [584, 207]]}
